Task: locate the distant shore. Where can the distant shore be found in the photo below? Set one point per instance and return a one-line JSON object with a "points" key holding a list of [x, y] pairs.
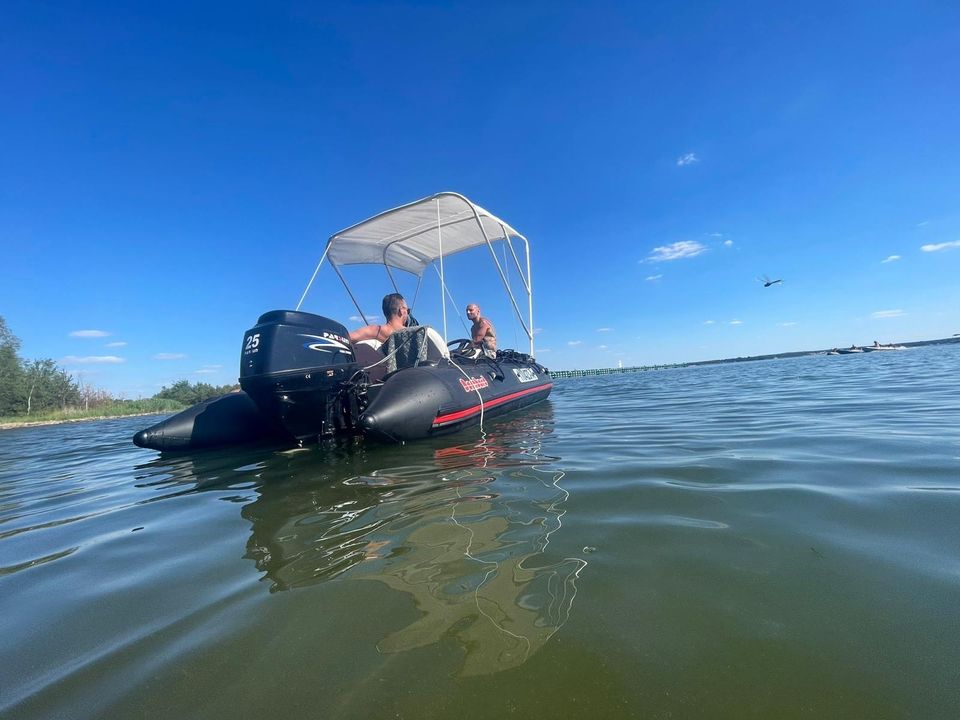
{"points": [[7, 425], [955, 340]]}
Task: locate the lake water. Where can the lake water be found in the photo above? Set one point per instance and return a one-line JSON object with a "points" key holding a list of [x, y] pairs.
{"points": [[773, 539]]}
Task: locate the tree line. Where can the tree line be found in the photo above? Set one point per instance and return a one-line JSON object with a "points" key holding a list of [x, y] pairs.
{"points": [[28, 387]]}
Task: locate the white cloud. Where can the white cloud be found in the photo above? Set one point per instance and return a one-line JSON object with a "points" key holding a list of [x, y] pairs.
{"points": [[736, 322], [604, 329], [601, 347], [891, 258], [653, 278], [204, 371], [574, 343], [118, 343], [687, 159], [89, 333], [716, 235], [169, 356], [940, 246], [537, 331], [786, 324], [709, 322], [728, 243], [887, 314], [676, 251], [371, 316], [924, 223], [92, 360], [543, 350]]}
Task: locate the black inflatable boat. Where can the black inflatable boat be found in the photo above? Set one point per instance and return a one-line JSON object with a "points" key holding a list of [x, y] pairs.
{"points": [[301, 379]]}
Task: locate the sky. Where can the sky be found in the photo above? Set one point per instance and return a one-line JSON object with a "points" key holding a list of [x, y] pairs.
{"points": [[170, 171]]}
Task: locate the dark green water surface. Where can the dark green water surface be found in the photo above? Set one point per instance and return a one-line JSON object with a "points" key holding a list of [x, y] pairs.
{"points": [[762, 540]]}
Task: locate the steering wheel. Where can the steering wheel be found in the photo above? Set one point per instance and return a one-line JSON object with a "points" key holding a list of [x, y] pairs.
{"points": [[459, 345]]}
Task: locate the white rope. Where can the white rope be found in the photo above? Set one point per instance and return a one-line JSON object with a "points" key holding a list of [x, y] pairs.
{"points": [[477, 391]]}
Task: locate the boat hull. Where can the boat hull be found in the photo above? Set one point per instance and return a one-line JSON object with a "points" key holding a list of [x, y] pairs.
{"points": [[411, 404], [436, 400]]}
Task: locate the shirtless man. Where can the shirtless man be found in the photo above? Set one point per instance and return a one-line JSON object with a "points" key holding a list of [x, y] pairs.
{"points": [[484, 337], [395, 310]]}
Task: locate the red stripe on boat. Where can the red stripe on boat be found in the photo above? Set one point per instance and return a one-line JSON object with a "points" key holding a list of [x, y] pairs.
{"points": [[461, 414]]}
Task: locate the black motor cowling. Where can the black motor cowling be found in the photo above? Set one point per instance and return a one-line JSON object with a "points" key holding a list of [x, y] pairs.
{"points": [[296, 367]]}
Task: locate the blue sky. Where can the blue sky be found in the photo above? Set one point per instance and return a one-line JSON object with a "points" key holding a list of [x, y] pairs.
{"points": [[170, 171]]}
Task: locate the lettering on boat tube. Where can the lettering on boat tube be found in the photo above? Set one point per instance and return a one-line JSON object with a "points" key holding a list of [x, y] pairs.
{"points": [[474, 384]]}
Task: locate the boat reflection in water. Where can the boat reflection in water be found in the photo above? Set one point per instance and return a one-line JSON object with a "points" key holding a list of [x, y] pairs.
{"points": [[464, 530]]}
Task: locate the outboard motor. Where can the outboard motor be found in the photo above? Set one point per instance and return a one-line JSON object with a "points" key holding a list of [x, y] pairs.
{"points": [[296, 367]]}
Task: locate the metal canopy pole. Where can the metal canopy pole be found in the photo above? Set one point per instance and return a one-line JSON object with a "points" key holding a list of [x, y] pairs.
{"points": [[344, 281], [443, 282], [314, 276]]}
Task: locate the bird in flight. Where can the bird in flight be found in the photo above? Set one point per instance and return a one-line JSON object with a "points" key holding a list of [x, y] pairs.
{"points": [[767, 282]]}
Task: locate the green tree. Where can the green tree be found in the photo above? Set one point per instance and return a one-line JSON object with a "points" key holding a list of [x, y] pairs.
{"points": [[37, 385], [185, 392], [64, 390], [11, 371]]}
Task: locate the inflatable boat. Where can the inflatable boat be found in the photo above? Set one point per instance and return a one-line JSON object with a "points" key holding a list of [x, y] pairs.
{"points": [[302, 379]]}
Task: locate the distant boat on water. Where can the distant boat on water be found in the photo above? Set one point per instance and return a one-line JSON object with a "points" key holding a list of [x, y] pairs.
{"points": [[853, 349], [877, 347]]}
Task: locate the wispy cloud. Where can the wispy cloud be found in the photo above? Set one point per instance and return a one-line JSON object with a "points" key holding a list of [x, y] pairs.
{"points": [[728, 243], [736, 322], [574, 343], [891, 258], [676, 251], [936, 247], [923, 223], [170, 356], [208, 370], [687, 159], [92, 360], [89, 333], [543, 350], [371, 316], [604, 329], [709, 322], [653, 278], [118, 343], [786, 324], [887, 314], [537, 331], [601, 347]]}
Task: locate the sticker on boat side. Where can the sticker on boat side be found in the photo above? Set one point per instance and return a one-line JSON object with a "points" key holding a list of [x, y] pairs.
{"points": [[474, 384], [525, 374]]}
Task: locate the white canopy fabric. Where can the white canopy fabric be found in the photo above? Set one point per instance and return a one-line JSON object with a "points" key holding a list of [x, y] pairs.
{"points": [[412, 236]]}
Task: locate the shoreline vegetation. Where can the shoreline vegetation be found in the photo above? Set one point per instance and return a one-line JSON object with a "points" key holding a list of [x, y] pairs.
{"points": [[40, 392], [123, 408]]}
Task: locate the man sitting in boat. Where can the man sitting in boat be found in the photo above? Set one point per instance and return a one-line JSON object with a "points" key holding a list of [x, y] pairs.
{"points": [[396, 312], [483, 336]]}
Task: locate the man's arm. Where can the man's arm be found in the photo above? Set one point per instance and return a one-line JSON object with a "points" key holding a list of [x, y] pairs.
{"points": [[369, 332]]}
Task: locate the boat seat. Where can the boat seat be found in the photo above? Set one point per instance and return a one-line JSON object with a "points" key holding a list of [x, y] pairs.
{"points": [[370, 357], [413, 346]]}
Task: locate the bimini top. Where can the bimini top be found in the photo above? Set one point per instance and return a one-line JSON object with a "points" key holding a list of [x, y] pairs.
{"points": [[412, 236]]}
